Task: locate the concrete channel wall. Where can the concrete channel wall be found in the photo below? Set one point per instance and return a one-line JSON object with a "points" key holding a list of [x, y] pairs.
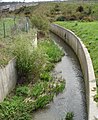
{"points": [[8, 78], [86, 64], [8, 75]]}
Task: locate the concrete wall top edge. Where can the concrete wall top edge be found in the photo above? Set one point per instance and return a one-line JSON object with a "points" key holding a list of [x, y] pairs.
{"points": [[12, 60]]}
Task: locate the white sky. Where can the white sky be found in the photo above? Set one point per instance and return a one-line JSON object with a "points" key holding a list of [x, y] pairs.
{"points": [[21, 0]]}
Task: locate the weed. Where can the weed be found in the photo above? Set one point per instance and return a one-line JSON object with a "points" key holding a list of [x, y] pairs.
{"points": [[96, 98], [22, 91], [43, 100], [45, 76], [69, 116]]}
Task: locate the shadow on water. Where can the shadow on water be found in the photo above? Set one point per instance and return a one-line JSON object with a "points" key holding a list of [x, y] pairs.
{"points": [[73, 97]]}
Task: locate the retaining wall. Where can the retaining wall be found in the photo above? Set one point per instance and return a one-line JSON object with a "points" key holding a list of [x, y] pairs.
{"points": [[8, 78], [8, 75], [86, 64]]}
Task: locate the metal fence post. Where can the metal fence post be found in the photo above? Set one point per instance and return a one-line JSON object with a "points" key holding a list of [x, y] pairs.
{"points": [[27, 24], [4, 29]]}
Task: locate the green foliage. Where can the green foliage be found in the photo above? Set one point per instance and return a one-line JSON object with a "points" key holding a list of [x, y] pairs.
{"points": [[15, 108], [45, 76], [59, 87], [52, 51], [80, 9], [22, 91], [96, 98], [69, 116], [40, 22], [70, 11], [37, 89], [61, 18], [43, 100], [49, 66], [29, 61]]}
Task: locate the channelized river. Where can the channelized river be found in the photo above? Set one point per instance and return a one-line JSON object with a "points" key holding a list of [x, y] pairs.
{"points": [[72, 99]]}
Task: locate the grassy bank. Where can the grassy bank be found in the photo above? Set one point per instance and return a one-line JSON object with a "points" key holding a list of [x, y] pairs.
{"points": [[67, 11], [36, 86]]}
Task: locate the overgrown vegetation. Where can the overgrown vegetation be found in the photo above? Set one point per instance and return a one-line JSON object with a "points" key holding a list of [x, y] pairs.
{"points": [[36, 86], [65, 11], [69, 116], [9, 30], [40, 22]]}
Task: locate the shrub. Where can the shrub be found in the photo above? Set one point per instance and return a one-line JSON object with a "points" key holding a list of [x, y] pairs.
{"points": [[61, 18], [88, 19], [29, 61], [69, 116], [73, 17], [56, 8], [40, 22], [80, 9], [96, 98]]}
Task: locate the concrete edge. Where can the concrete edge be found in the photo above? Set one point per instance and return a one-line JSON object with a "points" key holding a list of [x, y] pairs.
{"points": [[8, 78], [89, 76]]}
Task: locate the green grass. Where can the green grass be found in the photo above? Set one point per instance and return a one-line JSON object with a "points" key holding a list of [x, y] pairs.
{"points": [[88, 32]]}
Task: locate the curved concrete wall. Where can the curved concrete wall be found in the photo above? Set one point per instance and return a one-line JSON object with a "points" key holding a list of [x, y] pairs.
{"points": [[8, 78], [86, 64]]}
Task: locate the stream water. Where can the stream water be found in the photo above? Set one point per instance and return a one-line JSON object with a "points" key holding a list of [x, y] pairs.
{"points": [[72, 99]]}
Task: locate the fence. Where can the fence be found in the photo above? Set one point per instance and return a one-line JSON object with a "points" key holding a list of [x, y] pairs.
{"points": [[14, 25]]}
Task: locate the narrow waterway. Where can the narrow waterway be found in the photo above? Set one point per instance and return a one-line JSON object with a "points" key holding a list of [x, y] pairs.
{"points": [[73, 97]]}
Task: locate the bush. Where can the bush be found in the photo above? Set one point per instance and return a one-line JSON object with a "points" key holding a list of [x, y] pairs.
{"points": [[88, 19], [61, 18], [40, 22], [69, 116], [29, 61], [80, 9], [96, 98]]}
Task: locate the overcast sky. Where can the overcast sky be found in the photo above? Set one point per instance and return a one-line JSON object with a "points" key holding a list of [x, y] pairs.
{"points": [[22, 0]]}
